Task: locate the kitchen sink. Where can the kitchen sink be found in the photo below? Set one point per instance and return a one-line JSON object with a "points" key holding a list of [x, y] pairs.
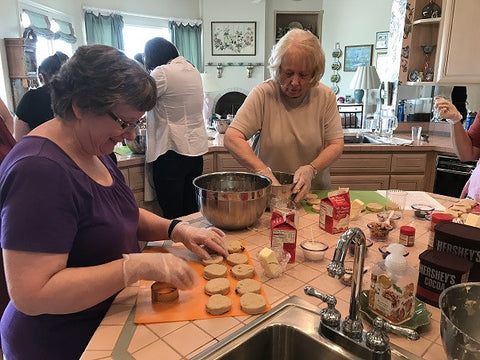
{"points": [[288, 331]]}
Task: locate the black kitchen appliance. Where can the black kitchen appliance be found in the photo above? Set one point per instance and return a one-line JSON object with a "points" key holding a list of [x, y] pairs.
{"points": [[451, 176]]}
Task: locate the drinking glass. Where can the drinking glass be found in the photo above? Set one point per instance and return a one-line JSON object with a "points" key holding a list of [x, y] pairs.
{"points": [[416, 134], [396, 201]]}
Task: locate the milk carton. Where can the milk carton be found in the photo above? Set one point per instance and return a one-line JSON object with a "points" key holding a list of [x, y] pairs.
{"points": [[283, 226], [335, 211]]}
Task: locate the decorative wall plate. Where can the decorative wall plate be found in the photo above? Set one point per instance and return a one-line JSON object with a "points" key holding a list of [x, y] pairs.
{"points": [[336, 53], [336, 65], [413, 76], [335, 78], [335, 89]]}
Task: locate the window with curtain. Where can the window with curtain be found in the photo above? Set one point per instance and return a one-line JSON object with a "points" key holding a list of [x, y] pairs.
{"points": [[135, 37], [188, 40], [53, 34], [104, 29]]}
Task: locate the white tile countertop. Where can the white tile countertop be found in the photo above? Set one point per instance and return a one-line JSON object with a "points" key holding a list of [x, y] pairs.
{"points": [[119, 338]]}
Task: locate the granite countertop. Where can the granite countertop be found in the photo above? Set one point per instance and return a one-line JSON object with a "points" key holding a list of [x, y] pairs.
{"points": [[118, 337]]}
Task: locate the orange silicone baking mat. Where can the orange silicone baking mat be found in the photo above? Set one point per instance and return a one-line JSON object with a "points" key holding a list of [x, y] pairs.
{"points": [[190, 304]]}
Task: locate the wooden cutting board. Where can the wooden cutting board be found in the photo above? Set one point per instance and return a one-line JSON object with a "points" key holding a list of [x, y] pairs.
{"points": [[190, 304]]}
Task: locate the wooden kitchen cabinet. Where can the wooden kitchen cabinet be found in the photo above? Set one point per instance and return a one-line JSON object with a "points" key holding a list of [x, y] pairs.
{"points": [[384, 170], [208, 163], [416, 33], [360, 182], [458, 43]]}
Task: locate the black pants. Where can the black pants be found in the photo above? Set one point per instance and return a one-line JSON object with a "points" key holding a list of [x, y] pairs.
{"points": [[173, 175]]}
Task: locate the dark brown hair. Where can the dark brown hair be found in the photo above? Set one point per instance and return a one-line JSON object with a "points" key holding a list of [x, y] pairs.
{"points": [[96, 78]]}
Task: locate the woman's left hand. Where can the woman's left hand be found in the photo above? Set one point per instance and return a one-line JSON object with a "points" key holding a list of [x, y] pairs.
{"points": [[193, 237], [303, 181]]}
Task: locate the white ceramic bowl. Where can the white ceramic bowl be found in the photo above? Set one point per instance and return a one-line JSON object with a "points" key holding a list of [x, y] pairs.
{"points": [[313, 250]]}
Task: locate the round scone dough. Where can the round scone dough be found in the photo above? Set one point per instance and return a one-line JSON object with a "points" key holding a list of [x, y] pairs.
{"points": [[252, 304], [374, 207], [311, 196], [214, 271], [235, 246], [312, 202], [218, 304], [217, 286], [316, 208], [248, 286], [242, 271], [237, 259], [214, 259]]}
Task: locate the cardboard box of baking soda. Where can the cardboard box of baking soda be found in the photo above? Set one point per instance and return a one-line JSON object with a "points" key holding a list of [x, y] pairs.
{"points": [[335, 211]]}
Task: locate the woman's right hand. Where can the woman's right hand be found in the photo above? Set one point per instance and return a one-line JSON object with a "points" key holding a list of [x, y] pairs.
{"points": [[268, 173], [447, 110], [158, 267]]}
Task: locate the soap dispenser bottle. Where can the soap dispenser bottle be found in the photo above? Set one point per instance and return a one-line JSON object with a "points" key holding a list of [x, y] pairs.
{"points": [[392, 287]]}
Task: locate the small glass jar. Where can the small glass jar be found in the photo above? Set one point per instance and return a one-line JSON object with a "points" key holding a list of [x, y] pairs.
{"points": [[407, 235], [437, 218]]}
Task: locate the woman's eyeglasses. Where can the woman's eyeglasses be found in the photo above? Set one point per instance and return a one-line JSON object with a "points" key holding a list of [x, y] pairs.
{"points": [[124, 125]]}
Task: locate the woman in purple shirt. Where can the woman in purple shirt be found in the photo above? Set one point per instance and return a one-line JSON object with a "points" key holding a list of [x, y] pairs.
{"points": [[69, 224]]}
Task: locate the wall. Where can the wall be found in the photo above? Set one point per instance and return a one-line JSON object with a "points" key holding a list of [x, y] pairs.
{"points": [[341, 20], [352, 23], [234, 10]]}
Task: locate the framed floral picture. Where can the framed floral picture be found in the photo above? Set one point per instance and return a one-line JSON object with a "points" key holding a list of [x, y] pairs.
{"points": [[234, 38]]}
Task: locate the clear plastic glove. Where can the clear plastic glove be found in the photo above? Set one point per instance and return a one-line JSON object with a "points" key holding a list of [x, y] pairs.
{"points": [[447, 110], [158, 267], [303, 181], [268, 173], [193, 237]]}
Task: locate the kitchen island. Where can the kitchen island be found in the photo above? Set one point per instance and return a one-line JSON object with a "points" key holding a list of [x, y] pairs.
{"points": [[361, 166], [119, 338]]}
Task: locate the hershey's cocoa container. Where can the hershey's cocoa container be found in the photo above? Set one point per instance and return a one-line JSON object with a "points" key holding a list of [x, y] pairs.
{"points": [[459, 240], [437, 271]]}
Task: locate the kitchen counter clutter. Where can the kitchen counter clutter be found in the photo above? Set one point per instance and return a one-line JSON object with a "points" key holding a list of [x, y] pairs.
{"points": [[119, 337]]}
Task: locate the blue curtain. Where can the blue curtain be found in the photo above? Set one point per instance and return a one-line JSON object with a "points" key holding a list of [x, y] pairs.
{"points": [[106, 30], [188, 40]]}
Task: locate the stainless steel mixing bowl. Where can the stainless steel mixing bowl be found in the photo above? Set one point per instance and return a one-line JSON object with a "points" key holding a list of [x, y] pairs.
{"points": [[232, 200], [459, 324], [139, 144]]}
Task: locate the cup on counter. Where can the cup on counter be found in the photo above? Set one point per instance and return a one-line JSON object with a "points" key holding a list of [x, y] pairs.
{"points": [[416, 135], [396, 201]]}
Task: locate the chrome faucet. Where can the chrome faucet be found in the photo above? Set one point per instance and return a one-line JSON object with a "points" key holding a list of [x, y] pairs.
{"points": [[374, 345], [352, 325]]}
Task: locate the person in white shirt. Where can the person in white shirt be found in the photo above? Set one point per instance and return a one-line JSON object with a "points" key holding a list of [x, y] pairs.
{"points": [[176, 134]]}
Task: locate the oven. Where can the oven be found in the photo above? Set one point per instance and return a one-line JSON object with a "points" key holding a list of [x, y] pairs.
{"points": [[451, 175]]}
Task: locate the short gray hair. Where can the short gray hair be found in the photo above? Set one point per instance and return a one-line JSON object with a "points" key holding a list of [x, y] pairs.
{"points": [[308, 44]]}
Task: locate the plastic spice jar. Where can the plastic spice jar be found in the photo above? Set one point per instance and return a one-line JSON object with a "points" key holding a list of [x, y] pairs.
{"points": [[437, 218], [407, 235]]}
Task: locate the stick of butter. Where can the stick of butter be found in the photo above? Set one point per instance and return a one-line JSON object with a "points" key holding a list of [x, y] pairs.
{"points": [[269, 262], [473, 220], [356, 208]]}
